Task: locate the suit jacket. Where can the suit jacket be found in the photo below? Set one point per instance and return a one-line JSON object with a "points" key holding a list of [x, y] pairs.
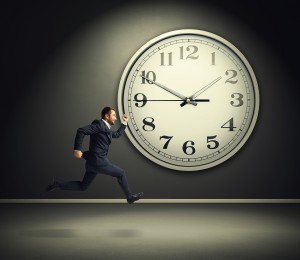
{"points": [[100, 139]]}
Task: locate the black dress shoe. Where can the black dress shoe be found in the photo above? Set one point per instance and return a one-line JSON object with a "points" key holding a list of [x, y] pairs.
{"points": [[134, 197], [53, 186]]}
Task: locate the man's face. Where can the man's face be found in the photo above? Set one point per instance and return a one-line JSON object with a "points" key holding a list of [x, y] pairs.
{"points": [[112, 117]]}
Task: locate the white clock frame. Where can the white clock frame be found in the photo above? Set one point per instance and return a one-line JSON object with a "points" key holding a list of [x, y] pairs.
{"points": [[151, 50]]}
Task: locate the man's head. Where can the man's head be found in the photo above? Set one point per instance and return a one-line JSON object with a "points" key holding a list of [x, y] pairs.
{"points": [[109, 115]]}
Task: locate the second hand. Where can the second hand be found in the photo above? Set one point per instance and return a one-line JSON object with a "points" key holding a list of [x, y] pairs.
{"points": [[196, 100]]}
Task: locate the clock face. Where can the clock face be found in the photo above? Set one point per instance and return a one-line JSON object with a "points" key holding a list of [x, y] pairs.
{"points": [[192, 100]]}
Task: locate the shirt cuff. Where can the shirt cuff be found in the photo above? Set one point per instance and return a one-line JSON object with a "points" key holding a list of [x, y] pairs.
{"points": [[124, 123]]}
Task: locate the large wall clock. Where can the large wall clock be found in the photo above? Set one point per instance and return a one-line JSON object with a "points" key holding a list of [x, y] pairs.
{"points": [[192, 99]]}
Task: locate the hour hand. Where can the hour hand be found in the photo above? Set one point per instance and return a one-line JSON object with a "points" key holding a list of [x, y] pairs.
{"points": [[186, 99]]}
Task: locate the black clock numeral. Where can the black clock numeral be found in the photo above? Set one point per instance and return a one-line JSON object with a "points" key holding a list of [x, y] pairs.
{"points": [[212, 144], [194, 50], [234, 74], [162, 59], [191, 148], [188, 147], [229, 125], [239, 99], [140, 102], [150, 75], [148, 124], [167, 143]]}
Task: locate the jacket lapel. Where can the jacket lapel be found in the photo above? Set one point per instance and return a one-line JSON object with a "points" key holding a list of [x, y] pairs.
{"points": [[107, 132]]}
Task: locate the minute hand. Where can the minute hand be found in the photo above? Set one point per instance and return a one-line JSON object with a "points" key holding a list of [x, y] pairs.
{"points": [[169, 90], [201, 91]]}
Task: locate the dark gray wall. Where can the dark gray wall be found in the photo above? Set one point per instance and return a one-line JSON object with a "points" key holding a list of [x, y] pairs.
{"points": [[61, 63]]}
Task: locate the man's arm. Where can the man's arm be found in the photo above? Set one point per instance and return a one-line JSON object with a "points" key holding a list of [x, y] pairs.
{"points": [[79, 154], [81, 133], [120, 131]]}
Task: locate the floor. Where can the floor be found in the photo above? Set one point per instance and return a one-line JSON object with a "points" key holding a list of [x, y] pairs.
{"points": [[149, 231]]}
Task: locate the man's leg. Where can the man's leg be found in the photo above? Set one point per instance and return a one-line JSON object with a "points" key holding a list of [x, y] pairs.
{"points": [[89, 176], [119, 173]]}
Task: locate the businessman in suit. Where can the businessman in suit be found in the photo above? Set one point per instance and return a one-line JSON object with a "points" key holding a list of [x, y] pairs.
{"points": [[96, 158]]}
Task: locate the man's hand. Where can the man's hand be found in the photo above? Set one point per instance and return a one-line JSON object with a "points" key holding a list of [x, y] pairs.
{"points": [[125, 118], [77, 154]]}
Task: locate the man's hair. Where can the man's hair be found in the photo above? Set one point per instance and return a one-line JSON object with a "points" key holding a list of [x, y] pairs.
{"points": [[106, 111]]}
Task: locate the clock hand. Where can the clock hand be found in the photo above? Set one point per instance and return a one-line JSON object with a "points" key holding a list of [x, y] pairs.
{"points": [[170, 100], [195, 100], [205, 88], [187, 100], [201, 91]]}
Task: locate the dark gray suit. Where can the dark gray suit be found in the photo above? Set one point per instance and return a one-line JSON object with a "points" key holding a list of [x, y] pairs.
{"points": [[97, 162]]}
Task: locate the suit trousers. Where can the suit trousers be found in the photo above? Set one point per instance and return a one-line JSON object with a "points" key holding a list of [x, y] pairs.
{"points": [[90, 174]]}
